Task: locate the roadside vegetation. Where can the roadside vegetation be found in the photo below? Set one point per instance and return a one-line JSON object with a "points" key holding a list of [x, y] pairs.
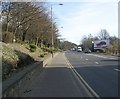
{"points": [[16, 57], [102, 35], [27, 30], [12, 60]]}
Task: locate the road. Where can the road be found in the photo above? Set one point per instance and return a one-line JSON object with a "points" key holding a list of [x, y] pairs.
{"points": [[99, 71], [57, 80]]}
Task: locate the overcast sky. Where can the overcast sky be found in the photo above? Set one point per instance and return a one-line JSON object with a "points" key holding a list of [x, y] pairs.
{"points": [[83, 17]]}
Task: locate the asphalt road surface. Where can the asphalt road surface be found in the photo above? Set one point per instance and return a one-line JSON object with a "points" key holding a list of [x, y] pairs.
{"points": [[57, 80], [99, 71]]}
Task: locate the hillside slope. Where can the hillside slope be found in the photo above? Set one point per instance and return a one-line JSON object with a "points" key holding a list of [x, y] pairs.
{"points": [[24, 48], [16, 56]]}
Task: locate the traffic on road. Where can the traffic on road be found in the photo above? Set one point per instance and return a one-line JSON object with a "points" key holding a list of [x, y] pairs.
{"points": [[77, 74], [99, 71]]}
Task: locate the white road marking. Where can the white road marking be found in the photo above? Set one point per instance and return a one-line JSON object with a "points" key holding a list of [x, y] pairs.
{"points": [[112, 58], [79, 77], [116, 69], [81, 57], [86, 59], [101, 56], [96, 62]]}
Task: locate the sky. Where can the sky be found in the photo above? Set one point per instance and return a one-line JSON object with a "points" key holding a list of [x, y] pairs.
{"points": [[79, 18]]}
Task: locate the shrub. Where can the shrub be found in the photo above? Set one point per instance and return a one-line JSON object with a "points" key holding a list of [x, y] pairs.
{"points": [[41, 55], [100, 51], [12, 59], [45, 53], [6, 69], [24, 59], [32, 47]]}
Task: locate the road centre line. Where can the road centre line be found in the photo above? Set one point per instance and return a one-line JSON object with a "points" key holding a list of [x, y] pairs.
{"points": [[117, 69], [98, 56], [80, 78], [101, 56], [96, 62]]}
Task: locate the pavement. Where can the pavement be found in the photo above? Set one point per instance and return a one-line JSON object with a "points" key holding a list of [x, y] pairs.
{"points": [[57, 80]]}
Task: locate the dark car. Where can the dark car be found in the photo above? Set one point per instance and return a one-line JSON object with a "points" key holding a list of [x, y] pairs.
{"points": [[87, 51]]}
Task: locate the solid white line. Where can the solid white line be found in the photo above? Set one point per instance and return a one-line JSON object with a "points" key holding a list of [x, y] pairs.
{"points": [[78, 75]]}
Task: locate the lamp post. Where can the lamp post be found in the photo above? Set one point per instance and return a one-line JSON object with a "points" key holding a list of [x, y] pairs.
{"points": [[52, 40], [92, 46]]}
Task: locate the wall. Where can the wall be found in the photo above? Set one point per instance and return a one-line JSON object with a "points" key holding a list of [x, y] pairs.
{"points": [[18, 84]]}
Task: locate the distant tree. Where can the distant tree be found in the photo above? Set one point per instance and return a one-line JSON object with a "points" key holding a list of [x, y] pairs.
{"points": [[65, 45], [87, 41], [114, 43], [103, 35]]}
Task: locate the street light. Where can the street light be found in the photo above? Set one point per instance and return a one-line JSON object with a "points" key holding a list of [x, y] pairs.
{"points": [[92, 46], [52, 22]]}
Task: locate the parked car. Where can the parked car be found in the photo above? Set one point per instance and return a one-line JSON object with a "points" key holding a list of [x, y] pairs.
{"points": [[87, 50]]}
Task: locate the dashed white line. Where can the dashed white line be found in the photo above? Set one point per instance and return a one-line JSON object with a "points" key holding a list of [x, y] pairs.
{"points": [[116, 69], [112, 58], [101, 56], [86, 59], [79, 77], [96, 62]]}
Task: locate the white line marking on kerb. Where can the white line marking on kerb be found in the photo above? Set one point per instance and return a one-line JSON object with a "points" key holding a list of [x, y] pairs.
{"points": [[116, 69]]}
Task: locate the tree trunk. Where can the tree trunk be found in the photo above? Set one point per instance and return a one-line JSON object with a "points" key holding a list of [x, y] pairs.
{"points": [[23, 37]]}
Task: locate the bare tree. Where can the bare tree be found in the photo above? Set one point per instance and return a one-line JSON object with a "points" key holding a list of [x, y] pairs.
{"points": [[103, 35], [30, 22]]}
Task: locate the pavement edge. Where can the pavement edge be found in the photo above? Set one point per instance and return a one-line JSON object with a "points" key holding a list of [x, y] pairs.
{"points": [[94, 94]]}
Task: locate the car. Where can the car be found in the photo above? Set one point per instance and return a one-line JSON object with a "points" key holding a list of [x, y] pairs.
{"points": [[87, 51]]}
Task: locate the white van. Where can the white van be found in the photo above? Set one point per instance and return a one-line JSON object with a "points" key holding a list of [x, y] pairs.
{"points": [[79, 49]]}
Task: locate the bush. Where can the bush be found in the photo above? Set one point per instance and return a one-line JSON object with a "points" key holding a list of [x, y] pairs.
{"points": [[6, 69], [24, 59], [32, 47], [9, 55], [7, 37], [41, 55], [100, 51], [45, 53], [12, 59]]}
